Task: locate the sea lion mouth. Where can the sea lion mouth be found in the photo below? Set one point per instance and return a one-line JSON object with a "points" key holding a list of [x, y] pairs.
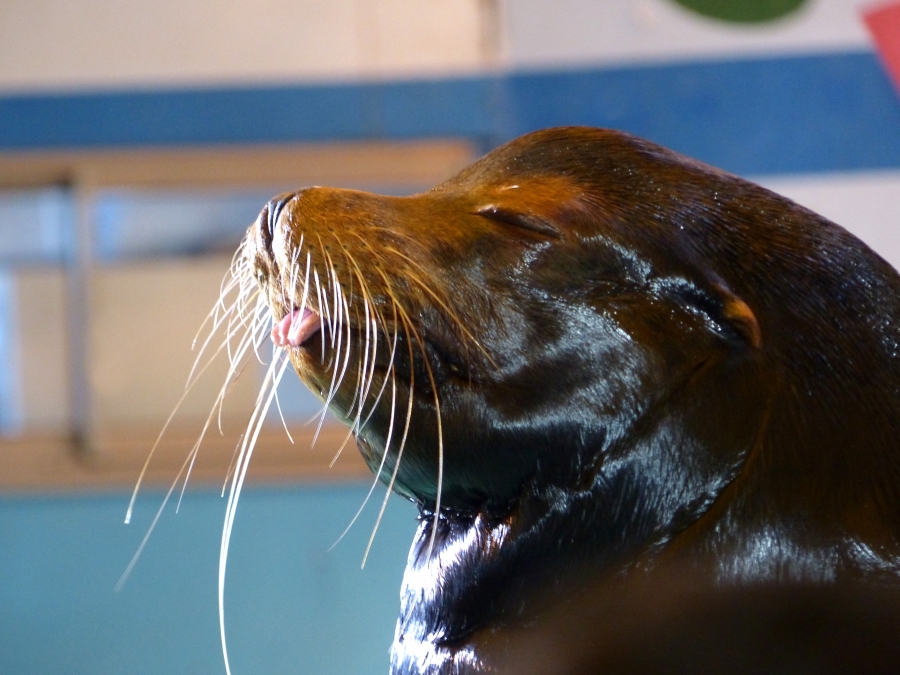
{"points": [[296, 328]]}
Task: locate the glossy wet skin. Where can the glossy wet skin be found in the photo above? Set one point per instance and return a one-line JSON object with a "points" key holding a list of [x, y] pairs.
{"points": [[615, 355]]}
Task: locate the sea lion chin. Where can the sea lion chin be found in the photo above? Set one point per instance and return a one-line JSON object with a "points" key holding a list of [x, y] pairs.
{"points": [[586, 356]]}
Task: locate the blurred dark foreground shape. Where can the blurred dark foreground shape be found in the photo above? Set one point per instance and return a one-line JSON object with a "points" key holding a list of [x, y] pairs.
{"points": [[671, 625]]}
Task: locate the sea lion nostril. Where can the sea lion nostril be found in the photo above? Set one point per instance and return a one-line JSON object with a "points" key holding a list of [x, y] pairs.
{"points": [[274, 208], [268, 220], [263, 229]]}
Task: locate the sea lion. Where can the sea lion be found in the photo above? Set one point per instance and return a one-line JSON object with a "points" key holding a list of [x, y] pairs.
{"points": [[587, 356]]}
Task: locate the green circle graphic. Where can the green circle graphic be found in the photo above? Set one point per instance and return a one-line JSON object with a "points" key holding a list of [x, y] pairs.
{"points": [[743, 11]]}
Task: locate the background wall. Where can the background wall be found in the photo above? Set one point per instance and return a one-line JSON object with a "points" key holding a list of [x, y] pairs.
{"points": [[292, 605], [48, 44], [800, 103]]}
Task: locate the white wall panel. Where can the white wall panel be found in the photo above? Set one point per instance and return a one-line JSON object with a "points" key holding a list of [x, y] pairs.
{"points": [[411, 37], [38, 323], [52, 44], [865, 203], [553, 33], [112, 43]]}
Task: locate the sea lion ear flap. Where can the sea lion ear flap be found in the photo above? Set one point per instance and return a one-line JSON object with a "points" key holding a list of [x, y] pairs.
{"points": [[728, 314], [738, 316]]}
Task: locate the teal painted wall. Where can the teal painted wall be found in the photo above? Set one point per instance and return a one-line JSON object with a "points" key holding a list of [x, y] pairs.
{"points": [[292, 606]]}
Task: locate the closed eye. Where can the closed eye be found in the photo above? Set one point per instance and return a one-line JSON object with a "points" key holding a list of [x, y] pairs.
{"points": [[526, 221]]}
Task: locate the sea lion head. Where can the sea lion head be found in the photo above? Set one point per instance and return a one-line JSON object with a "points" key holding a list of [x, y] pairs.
{"points": [[527, 317], [585, 352]]}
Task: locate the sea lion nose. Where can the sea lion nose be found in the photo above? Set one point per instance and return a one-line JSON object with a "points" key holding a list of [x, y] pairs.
{"points": [[268, 220]]}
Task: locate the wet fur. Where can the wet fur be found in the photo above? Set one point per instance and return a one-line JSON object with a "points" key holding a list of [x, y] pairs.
{"points": [[587, 356]]}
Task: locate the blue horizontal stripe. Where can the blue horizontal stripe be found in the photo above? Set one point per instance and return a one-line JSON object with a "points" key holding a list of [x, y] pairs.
{"points": [[752, 116], [811, 113], [247, 115]]}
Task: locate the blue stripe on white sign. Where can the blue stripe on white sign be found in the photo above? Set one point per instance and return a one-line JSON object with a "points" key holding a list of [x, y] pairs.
{"points": [[752, 116]]}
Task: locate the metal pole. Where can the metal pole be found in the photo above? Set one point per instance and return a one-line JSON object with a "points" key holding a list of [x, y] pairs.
{"points": [[79, 264]]}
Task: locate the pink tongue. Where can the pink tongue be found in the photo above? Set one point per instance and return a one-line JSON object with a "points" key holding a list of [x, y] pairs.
{"points": [[295, 329]]}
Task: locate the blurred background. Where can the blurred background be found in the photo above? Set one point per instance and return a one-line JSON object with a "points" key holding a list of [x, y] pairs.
{"points": [[138, 141]]}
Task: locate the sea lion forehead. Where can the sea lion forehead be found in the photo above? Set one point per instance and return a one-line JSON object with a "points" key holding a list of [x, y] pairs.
{"points": [[578, 153], [602, 174]]}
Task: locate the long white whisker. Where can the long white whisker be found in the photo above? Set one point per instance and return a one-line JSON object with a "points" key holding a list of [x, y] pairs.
{"points": [[255, 334], [232, 464], [387, 445], [256, 423], [390, 488], [143, 544], [280, 413], [206, 342], [335, 299], [220, 309], [326, 314], [229, 281], [155, 445], [362, 368], [370, 376], [260, 313], [321, 317], [217, 406], [335, 386], [340, 322], [377, 399]]}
